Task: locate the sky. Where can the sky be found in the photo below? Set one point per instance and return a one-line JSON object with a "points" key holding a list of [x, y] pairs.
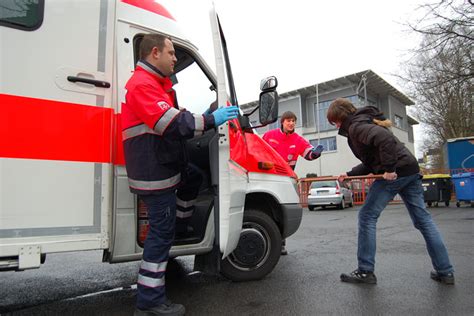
{"points": [[302, 42]]}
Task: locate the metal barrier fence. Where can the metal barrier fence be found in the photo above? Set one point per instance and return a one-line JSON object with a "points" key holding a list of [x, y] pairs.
{"points": [[360, 185]]}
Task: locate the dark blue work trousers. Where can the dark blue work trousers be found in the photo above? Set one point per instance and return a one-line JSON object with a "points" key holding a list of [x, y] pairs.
{"points": [[151, 277], [162, 220]]}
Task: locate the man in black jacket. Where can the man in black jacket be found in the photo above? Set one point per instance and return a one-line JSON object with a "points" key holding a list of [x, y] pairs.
{"points": [[382, 153]]}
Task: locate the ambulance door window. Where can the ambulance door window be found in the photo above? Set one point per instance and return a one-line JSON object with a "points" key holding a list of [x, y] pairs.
{"points": [[194, 90], [24, 15]]}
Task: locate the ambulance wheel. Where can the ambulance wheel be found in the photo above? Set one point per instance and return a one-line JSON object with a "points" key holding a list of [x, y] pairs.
{"points": [[258, 250]]}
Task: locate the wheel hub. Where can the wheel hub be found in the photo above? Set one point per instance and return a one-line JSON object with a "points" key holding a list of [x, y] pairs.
{"points": [[251, 248]]}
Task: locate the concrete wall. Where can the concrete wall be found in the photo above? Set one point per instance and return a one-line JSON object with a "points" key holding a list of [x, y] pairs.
{"points": [[403, 137]]}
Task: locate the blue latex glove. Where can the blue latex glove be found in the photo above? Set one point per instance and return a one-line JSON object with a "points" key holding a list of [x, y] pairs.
{"points": [[222, 115], [316, 153]]}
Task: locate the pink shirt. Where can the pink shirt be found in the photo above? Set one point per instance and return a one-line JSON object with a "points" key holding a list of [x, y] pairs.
{"points": [[289, 146]]}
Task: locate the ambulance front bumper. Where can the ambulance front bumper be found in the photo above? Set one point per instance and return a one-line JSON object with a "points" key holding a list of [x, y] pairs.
{"points": [[291, 217]]}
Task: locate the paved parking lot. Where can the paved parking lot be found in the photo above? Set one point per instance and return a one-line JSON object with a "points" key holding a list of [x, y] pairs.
{"points": [[306, 282]]}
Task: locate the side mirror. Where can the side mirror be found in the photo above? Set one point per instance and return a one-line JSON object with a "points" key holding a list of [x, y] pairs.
{"points": [[268, 84], [268, 104]]}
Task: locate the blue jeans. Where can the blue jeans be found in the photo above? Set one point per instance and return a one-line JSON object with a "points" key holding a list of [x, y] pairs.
{"points": [[411, 191]]}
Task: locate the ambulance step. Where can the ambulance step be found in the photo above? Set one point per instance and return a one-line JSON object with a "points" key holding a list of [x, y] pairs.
{"points": [[7, 264]]}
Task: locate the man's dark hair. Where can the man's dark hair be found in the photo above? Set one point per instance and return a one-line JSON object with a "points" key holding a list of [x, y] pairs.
{"points": [[339, 110], [287, 115], [152, 40]]}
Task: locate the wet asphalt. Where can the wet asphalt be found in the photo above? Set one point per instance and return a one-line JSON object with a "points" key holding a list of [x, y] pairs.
{"points": [[306, 282]]}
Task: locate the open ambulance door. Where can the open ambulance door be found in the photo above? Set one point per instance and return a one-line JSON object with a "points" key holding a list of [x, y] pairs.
{"points": [[233, 180]]}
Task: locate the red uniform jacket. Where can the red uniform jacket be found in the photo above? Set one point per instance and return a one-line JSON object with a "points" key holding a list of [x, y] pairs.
{"points": [[154, 131], [289, 146]]}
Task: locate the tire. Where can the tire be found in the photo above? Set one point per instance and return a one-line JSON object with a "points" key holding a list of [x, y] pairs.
{"points": [[429, 204], [311, 207], [258, 250], [446, 203], [342, 205], [458, 204]]}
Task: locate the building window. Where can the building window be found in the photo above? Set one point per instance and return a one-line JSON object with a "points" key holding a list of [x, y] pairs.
{"points": [[398, 121], [321, 111], [329, 143], [25, 15]]}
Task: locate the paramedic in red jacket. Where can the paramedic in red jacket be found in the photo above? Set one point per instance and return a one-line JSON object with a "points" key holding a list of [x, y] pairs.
{"points": [[290, 145], [154, 134]]}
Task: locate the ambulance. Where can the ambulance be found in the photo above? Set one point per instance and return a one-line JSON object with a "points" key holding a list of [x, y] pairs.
{"points": [[63, 184]]}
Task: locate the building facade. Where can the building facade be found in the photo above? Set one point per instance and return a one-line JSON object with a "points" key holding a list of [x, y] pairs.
{"points": [[310, 104]]}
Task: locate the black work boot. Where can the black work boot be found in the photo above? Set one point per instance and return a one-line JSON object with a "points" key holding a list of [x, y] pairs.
{"points": [[447, 278], [167, 308], [359, 276]]}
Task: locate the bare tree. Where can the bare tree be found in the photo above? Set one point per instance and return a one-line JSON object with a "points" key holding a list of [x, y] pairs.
{"points": [[440, 73]]}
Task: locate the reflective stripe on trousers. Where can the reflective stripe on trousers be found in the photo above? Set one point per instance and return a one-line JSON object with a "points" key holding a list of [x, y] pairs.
{"points": [[186, 197]]}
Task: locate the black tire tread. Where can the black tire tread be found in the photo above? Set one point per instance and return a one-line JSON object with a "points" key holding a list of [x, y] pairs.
{"points": [[230, 272]]}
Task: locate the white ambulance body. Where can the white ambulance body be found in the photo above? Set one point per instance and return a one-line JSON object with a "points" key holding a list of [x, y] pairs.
{"points": [[63, 185]]}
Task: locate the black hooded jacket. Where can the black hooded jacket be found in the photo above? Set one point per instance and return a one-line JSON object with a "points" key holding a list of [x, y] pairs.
{"points": [[378, 149]]}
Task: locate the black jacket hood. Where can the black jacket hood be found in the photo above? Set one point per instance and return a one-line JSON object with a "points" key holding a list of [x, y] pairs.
{"points": [[365, 114]]}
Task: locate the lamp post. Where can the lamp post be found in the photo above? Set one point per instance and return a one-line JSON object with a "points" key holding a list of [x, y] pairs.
{"points": [[317, 126]]}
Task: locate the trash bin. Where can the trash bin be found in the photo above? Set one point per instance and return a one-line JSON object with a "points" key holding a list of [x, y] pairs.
{"points": [[437, 188], [464, 187]]}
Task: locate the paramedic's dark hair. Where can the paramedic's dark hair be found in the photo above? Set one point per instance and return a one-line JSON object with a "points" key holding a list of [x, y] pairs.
{"points": [[152, 40], [287, 115], [339, 110]]}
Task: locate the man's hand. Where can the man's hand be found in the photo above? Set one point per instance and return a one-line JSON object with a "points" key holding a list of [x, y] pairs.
{"points": [[222, 115], [316, 152], [390, 176], [342, 177]]}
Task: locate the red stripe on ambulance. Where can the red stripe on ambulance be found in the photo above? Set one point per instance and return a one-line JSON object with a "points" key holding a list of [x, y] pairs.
{"points": [[52, 130], [150, 5]]}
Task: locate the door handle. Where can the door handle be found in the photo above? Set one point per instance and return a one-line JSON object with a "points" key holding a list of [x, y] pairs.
{"points": [[97, 83]]}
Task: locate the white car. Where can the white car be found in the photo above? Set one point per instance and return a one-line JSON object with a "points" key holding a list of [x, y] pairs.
{"points": [[329, 193]]}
